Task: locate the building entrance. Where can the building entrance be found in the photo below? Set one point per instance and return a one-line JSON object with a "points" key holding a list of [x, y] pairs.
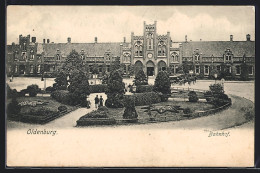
{"points": [[22, 69], [150, 71]]}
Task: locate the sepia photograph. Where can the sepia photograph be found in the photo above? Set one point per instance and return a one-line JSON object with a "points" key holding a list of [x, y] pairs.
{"points": [[130, 86]]}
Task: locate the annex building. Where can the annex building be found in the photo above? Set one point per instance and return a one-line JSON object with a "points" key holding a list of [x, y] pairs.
{"points": [[151, 52]]}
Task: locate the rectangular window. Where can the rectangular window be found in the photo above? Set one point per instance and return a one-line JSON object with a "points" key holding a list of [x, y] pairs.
{"points": [[31, 69], [206, 70], [108, 68], [229, 69], [38, 68], [16, 69], [219, 68], [100, 69], [197, 69], [250, 70], [238, 71]]}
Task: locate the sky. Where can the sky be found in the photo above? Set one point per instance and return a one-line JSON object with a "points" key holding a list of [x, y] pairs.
{"points": [[112, 23]]}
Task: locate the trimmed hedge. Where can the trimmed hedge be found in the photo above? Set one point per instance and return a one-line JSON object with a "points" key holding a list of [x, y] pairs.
{"points": [[144, 88], [147, 98], [101, 88]]}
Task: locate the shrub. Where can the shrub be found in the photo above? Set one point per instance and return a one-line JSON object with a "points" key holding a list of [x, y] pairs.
{"points": [[23, 92], [162, 84], [220, 100], [62, 108], [130, 111], [33, 90], [13, 108], [50, 89], [42, 111], [193, 96], [187, 111], [102, 109], [216, 89], [144, 88], [208, 95], [96, 114], [140, 78], [11, 92], [63, 96], [147, 98], [98, 88]]}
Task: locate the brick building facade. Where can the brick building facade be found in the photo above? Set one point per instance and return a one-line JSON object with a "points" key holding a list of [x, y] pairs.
{"points": [[150, 52]]}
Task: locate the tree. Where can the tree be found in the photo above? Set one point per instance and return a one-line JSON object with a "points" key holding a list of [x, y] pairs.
{"points": [[140, 78], [131, 70], [185, 67], [61, 81], [162, 84], [115, 90], [33, 90], [116, 65], [244, 71], [73, 64], [95, 69], [79, 87], [193, 96]]}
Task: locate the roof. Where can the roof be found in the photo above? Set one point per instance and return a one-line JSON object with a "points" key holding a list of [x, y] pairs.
{"points": [[218, 48], [90, 49]]}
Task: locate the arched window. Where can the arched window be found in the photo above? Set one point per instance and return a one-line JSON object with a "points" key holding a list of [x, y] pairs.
{"points": [[58, 57], [197, 57], [175, 57], [31, 68], [138, 48], [150, 41], [161, 48], [82, 57]]}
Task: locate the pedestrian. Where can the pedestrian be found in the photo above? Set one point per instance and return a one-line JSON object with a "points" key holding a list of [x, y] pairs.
{"points": [[96, 101], [88, 102], [101, 100]]}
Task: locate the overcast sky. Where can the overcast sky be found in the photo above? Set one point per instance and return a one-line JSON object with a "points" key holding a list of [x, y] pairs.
{"points": [[112, 23]]}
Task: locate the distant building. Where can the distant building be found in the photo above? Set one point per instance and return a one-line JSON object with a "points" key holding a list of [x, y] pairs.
{"points": [[150, 52]]}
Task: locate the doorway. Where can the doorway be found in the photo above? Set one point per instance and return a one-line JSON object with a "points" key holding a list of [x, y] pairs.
{"points": [[150, 71]]}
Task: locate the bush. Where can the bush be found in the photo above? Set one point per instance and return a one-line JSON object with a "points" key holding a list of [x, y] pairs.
{"points": [[144, 88], [130, 111], [13, 108], [50, 89], [220, 100], [63, 96], [11, 92], [193, 96], [62, 108], [208, 95], [33, 90], [103, 109], [187, 111], [216, 89], [23, 92], [42, 111], [96, 114], [147, 98], [98, 88]]}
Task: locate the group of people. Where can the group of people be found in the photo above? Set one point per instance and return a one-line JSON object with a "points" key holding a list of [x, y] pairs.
{"points": [[98, 102]]}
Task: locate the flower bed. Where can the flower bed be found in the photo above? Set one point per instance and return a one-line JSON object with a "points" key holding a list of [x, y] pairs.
{"points": [[39, 113]]}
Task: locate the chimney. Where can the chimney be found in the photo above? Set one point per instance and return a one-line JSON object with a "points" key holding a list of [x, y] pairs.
{"points": [[44, 40], [95, 39], [69, 40], [124, 39], [48, 40], [231, 37], [33, 39], [248, 37], [186, 39]]}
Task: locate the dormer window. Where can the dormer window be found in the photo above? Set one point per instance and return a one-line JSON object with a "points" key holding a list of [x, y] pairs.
{"points": [[228, 57], [82, 57], [23, 56]]}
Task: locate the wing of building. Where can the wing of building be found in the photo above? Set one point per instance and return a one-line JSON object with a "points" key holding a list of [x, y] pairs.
{"points": [[150, 52]]}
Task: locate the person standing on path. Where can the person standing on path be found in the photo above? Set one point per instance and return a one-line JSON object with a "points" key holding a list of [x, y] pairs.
{"points": [[88, 102], [101, 100], [96, 101]]}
